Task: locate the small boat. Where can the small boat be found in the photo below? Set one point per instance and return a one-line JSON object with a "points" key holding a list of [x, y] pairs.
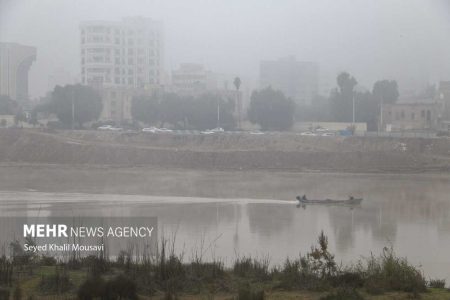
{"points": [[350, 201]]}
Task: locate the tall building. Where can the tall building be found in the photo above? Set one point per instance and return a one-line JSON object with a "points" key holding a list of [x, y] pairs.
{"points": [[192, 78], [296, 79], [15, 61], [121, 59], [127, 54]]}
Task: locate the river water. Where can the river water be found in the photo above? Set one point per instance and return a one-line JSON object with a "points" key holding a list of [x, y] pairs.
{"points": [[411, 213]]}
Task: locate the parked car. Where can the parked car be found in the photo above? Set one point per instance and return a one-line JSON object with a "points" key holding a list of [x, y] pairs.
{"points": [[163, 130], [207, 132], [327, 134], [308, 133], [217, 129], [321, 129], [149, 129], [256, 132], [105, 127]]}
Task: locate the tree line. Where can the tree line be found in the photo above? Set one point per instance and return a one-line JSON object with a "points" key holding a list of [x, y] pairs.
{"points": [[270, 109], [201, 112], [338, 107]]}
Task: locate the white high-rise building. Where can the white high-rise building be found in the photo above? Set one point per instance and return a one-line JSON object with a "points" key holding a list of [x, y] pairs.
{"points": [[125, 54]]}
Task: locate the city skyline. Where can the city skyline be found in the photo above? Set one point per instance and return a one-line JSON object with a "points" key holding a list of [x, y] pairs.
{"points": [[387, 43]]}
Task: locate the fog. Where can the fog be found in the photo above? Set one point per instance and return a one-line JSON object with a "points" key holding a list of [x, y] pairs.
{"points": [[404, 40]]}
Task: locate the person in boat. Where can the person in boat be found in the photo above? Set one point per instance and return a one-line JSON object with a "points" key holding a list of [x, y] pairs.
{"points": [[351, 198], [304, 197]]}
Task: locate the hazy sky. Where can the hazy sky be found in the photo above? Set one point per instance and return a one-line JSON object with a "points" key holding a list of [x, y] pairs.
{"points": [[407, 40]]}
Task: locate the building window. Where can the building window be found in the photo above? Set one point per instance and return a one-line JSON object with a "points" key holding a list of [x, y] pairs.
{"points": [[402, 114], [422, 114], [413, 116], [428, 115]]}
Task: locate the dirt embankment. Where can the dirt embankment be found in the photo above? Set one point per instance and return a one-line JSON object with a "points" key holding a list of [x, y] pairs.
{"points": [[226, 151]]}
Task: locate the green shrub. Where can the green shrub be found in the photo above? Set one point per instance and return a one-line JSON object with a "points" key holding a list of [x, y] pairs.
{"points": [[47, 261], [119, 287], [59, 282], [246, 292], [391, 273], [91, 288], [4, 294], [343, 294], [17, 293], [437, 283], [252, 268]]}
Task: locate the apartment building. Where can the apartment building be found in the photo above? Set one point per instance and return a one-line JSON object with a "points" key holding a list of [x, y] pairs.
{"points": [[119, 58], [15, 62]]}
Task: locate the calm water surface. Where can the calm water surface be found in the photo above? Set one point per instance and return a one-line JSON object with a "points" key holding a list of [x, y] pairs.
{"points": [[411, 213]]}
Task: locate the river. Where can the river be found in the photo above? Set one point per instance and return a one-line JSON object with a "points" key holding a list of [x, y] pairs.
{"points": [[411, 213]]}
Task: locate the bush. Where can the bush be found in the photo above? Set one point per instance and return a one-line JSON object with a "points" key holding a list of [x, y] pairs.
{"points": [[119, 287], [247, 267], [55, 283], [92, 288], [350, 279], [391, 273], [47, 261], [437, 283], [246, 292], [4, 294], [343, 294], [206, 271], [17, 293]]}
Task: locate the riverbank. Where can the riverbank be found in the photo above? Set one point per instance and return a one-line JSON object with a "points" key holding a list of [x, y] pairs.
{"points": [[269, 152], [315, 275]]}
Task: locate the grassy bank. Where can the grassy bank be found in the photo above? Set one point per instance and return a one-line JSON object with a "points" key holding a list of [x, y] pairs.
{"points": [[315, 275]]}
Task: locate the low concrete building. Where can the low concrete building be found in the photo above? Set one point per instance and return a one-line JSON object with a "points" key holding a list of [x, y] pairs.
{"points": [[422, 115], [444, 99]]}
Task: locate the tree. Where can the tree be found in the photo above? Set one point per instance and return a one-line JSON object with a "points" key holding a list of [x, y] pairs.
{"points": [[8, 106], [237, 83], [172, 110], [19, 117], [209, 111], [145, 109], [271, 110], [385, 91], [318, 111], [341, 99], [82, 103], [367, 110]]}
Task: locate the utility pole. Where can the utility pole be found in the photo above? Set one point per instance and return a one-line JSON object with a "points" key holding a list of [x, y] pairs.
{"points": [[218, 112], [353, 102], [381, 114], [73, 111]]}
